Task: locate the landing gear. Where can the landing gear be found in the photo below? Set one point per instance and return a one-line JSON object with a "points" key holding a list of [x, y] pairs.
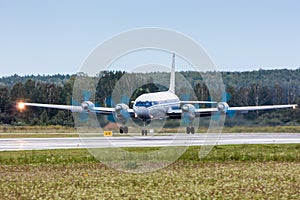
{"points": [[123, 129], [144, 130], [190, 129]]}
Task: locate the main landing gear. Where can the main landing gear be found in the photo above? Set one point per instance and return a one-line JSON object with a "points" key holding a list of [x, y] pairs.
{"points": [[190, 129], [144, 132], [124, 129]]}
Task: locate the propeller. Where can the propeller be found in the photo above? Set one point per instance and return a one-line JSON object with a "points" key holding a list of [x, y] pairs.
{"points": [[83, 116], [187, 97], [185, 109], [119, 108], [125, 99], [188, 113], [229, 113], [86, 95], [185, 115], [109, 102], [222, 107], [185, 118]]}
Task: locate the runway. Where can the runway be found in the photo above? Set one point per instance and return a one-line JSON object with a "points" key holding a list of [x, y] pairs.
{"points": [[12, 144]]}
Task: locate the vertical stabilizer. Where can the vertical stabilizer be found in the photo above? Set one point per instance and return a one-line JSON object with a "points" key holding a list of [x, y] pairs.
{"points": [[172, 78]]}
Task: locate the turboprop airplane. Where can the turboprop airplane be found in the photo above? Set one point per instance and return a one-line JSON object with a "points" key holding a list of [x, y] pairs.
{"points": [[158, 105]]}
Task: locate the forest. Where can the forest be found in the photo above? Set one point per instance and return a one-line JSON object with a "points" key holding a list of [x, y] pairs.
{"points": [[261, 87]]}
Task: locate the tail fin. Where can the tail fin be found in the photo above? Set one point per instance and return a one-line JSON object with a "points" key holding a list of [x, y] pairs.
{"points": [[172, 78]]}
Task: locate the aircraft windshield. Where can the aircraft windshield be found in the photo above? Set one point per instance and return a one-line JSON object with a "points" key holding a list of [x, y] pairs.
{"points": [[144, 104]]}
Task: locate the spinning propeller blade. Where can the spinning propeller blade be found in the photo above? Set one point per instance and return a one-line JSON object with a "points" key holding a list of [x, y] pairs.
{"points": [[231, 113], [83, 116]]}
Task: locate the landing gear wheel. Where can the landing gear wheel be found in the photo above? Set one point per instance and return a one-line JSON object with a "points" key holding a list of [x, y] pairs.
{"points": [[188, 130], [192, 129], [125, 129], [144, 132]]}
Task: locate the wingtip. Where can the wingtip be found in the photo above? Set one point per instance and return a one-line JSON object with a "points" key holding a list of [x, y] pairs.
{"points": [[21, 106], [295, 106]]}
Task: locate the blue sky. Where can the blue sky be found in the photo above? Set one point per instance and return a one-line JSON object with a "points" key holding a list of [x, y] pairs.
{"points": [[49, 37]]}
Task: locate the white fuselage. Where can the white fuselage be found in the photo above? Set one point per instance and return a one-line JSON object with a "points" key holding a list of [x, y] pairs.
{"points": [[155, 105]]}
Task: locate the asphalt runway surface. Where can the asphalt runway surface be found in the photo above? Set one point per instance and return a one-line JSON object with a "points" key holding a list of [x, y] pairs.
{"points": [[9, 144]]}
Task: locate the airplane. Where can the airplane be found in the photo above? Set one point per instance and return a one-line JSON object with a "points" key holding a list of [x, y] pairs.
{"points": [[157, 105]]}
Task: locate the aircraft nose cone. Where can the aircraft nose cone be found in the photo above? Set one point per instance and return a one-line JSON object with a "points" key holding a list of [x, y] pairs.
{"points": [[142, 113]]}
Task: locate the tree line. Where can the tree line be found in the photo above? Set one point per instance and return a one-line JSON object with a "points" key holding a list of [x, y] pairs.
{"points": [[262, 87]]}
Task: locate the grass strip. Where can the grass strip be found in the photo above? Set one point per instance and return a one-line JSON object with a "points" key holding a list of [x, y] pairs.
{"points": [[224, 153], [228, 172]]}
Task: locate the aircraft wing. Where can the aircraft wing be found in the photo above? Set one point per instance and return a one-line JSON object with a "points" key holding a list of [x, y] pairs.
{"points": [[22, 105], [109, 111], [184, 102], [202, 112], [198, 102], [104, 110], [101, 110], [249, 108]]}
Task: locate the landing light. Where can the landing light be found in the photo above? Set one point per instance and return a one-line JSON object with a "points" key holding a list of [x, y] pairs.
{"points": [[21, 106]]}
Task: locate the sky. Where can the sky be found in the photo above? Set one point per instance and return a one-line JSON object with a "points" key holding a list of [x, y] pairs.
{"points": [[54, 36]]}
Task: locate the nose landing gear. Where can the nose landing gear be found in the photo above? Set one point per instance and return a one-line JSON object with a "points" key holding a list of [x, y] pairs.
{"points": [[144, 130], [123, 129]]}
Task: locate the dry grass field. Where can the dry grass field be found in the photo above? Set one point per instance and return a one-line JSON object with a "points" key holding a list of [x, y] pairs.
{"points": [[229, 172]]}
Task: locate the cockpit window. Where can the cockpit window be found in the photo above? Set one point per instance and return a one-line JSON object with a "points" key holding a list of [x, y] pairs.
{"points": [[144, 104]]}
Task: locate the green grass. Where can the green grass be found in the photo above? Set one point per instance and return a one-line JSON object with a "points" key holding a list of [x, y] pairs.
{"points": [[224, 153], [36, 129], [228, 172], [262, 129], [183, 180]]}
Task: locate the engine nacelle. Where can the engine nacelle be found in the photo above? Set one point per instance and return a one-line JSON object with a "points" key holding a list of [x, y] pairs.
{"points": [[88, 106], [188, 113], [121, 113], [222, 107]]}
